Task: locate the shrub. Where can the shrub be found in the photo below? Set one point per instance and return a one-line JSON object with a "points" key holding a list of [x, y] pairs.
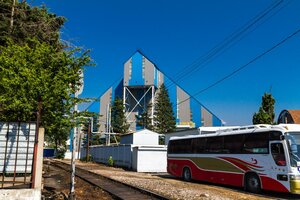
{"points": [[110, 161], [60, 152]]}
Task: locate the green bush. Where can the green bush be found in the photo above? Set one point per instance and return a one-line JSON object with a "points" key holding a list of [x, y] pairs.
{"points": [[87, 158], [110, 161], [60, 152]]}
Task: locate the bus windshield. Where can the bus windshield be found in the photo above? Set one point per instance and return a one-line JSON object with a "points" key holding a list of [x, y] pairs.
{"points": [[293, 140]]}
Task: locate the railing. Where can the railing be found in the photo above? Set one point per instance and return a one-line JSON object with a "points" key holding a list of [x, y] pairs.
{"points": [[17, 154]]}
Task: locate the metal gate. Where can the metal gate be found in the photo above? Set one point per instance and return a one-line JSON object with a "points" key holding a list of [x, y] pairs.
{"points": [[17, 153]]}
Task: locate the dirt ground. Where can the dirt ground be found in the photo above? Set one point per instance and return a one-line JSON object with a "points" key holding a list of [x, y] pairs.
{"points": [[177, 189], [57, 186]]}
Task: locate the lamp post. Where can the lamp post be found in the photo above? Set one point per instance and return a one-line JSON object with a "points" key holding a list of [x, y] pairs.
{"points": [[72, 184], [78, 91]]}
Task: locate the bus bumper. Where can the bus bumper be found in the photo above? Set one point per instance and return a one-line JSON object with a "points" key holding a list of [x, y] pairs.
{"points": [[295, 186]]}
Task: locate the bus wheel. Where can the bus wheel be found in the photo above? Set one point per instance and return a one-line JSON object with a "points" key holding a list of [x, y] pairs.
{"points": [[252, 183], [187, 176]]}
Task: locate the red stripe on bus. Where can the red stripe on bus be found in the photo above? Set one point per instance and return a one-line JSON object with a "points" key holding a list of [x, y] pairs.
{"points": [[271, 184], [175, 167]]}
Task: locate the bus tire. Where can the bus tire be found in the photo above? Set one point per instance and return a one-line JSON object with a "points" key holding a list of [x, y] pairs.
{"points": [[252, 183], [187, 175]]}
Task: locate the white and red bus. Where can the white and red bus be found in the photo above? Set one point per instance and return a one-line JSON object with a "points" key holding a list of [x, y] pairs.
{"points": [[254, 157]]}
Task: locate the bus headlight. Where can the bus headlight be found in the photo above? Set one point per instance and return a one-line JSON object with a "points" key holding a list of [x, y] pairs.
{"points": [[294, 177]]}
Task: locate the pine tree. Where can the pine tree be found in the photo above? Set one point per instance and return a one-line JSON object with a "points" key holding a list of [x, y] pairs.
{"points": [[118, 119], [145, 119], [266, 114], [164, 120], [20, 21]]}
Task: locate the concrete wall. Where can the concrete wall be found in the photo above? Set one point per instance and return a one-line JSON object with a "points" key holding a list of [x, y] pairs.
{"points": [[127, 72], [105, 100], [39, 160], [207, 118], [159, 79], [183, 109], [149, 72], [138, 70], [20, 194]]}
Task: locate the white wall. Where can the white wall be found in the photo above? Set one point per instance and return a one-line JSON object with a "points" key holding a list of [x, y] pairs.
{"points": [[68, 154], [141, 158], [20, 141], [145, 139], [149, 159], [142, 137], [121, 154]]}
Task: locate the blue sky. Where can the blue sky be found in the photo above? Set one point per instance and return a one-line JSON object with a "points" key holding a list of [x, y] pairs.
{"points": [[173, 34]]}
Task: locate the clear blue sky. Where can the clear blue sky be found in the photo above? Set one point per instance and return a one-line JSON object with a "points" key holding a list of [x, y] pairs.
{"points": [[173, 34]]}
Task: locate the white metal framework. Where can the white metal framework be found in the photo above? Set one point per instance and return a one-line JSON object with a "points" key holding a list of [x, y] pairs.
{"points": [[139, 102]]}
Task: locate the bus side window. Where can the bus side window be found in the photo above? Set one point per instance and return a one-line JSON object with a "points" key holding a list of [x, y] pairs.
{"points": [[278, 154], [257, 143], [234, 144], [198, 145]]}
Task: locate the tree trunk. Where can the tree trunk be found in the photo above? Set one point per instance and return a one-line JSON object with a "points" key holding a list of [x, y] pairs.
{"points": [[12, 16]]}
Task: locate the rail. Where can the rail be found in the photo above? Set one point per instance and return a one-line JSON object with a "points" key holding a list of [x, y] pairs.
{"points": [[117, 189]]}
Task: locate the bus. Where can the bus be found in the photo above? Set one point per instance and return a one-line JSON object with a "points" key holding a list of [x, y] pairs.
{"points": [[258, 157]]}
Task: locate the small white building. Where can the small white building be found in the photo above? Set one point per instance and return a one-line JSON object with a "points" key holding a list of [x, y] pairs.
{"points": [[139, 151], [149, 158], [142, 137]]}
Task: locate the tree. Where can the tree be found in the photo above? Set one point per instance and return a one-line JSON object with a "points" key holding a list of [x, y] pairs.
{"points": [[164, 120], [36, 69], [144, 120], [95, 137], [266, 114], [20, 21], [118, 119], [35, 62]]}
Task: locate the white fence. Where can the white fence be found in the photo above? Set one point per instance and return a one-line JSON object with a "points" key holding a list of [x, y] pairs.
{"points": [[140, 158], [121, 154], [16, 147]]}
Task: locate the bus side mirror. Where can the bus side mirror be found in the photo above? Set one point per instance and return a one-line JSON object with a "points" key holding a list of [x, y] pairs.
{"points": [[282, 137]]}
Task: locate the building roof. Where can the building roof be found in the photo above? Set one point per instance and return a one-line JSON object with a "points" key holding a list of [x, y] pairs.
{"points": [[139, 132], [295, 114]]}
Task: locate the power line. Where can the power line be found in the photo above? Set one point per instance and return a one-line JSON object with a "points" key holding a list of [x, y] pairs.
{"points": [[228, 42], [243, 66]]}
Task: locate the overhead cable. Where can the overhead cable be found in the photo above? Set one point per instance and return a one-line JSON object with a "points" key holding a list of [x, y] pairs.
{"points": [[243, 66]]}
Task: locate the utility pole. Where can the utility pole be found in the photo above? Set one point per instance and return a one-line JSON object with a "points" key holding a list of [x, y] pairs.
{"points": [[72, 184], [88, 143], [78, 91]]}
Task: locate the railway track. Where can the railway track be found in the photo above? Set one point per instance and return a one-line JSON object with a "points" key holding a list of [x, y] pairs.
{"points": [[117, 189]]}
